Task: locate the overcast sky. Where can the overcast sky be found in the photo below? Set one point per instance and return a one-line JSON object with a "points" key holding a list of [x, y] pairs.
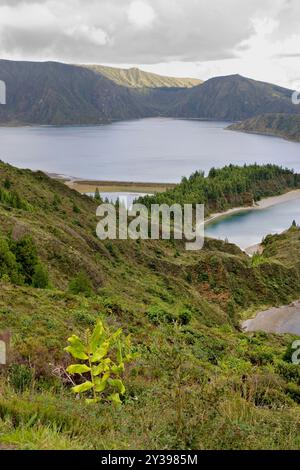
{"points": [[199, 38]]}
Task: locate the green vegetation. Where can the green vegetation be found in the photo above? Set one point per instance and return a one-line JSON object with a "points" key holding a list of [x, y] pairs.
{"points": [[105, 355], [197, 381], [279, 125], [40, 278], [12, 198], [98, 196], [231, 186], [81, 284], [20, 264]]}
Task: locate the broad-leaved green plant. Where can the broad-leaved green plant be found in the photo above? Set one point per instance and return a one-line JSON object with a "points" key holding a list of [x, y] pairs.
{"points": [[102, 358]]}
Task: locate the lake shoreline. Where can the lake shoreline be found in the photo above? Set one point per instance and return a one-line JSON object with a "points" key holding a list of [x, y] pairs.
{"points": [[278, 320], [266, 134], [259, 205], [89, 186]]}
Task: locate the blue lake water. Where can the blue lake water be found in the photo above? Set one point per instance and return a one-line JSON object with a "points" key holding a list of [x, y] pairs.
{"points": [[157, 150], [249, 227], [153, 150]]}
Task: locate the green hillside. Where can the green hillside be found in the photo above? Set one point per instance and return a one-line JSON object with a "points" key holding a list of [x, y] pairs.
{"points": [[198, 381], [52, 93], [60, 94], [233, 98], [279, 125], [137, 78]]}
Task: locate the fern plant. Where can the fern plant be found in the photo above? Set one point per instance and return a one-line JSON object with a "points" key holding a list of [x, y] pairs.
{"points": [[103, 357]]}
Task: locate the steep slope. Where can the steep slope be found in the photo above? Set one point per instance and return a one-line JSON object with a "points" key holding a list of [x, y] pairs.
{"points": [[280, 125], [233, 98], [136, 78], [195, 373], [55, 93]]}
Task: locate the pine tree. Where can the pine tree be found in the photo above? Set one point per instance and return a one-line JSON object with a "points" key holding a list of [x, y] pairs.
{"points": [[97, 196]]}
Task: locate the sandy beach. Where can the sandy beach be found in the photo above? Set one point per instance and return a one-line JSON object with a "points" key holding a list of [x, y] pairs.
{"points": [[86, 186]]}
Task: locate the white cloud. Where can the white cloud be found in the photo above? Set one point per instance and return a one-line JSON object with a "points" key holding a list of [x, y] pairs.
{"points": [[88, 33], [140, 14], [258, 38], [138, 31]]}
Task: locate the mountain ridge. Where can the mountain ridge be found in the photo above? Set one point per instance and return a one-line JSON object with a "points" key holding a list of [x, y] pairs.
{"points": [[53, 93], [233, 98], [62, 94], [136, 78]]}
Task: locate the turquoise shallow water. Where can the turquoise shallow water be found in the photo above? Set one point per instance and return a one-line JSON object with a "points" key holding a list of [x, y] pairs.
{"points": [[158, 150], [248, 228]]}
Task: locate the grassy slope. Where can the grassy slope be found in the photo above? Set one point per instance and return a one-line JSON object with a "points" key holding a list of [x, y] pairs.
{"points": [[281, 125], [137, 78], [202, 385]]}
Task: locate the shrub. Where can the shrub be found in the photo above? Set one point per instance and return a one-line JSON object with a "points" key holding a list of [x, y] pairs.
{"points": [[81, 284], [83, 318], [7, 183], [13, 199], [158, 314], [76, 209], [184, 317], [260, 356], [290, 372], [40, 278], [293, 391], [19, 262], [8, 263], [26, 257]]}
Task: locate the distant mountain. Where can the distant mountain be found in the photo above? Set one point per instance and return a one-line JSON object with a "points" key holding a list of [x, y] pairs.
{"points": [[233, 98], [136, 78], [281, 125], [55, 93]]}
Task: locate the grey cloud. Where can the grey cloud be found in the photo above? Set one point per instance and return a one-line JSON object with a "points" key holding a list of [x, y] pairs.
{"points": [[288, 20], [100, 31]]}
